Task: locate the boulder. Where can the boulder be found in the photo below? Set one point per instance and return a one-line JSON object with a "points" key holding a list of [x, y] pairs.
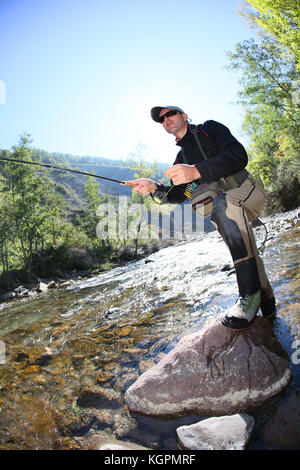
{"points": [[218, 433], [214, 372], [42, 287], [51, 285], [21, 292]]}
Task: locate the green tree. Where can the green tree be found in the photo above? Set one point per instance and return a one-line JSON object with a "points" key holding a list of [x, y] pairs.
{"points": [[88, 217], [6, 233], [271, 112], [35, 208], [280, 20], [142, 204], [6, 229], [90, 220]]}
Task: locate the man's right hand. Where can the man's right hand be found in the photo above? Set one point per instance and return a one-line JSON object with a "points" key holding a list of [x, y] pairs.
{"points": [[142, 186]]}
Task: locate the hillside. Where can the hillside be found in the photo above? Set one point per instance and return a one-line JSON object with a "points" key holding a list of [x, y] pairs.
{"points": [[117, 169], [71, 186]]}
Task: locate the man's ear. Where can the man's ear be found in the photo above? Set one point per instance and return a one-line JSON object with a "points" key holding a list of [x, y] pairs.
{"points": [[185, 117]]}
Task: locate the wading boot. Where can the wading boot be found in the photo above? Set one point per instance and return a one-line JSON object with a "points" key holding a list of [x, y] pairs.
{"points": [[242, 314], [268, 308]]}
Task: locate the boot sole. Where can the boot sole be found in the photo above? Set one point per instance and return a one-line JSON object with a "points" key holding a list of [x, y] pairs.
{"points": [[237, 324]]}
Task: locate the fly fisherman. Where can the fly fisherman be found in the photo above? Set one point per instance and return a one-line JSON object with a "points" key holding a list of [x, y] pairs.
{"points": [[209, 157]]}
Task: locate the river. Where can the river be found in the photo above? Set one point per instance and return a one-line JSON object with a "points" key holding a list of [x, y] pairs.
{"points": [[69, 354]]}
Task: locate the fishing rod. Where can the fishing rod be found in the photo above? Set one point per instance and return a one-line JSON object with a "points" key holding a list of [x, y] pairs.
{"points": [[54, 167]]}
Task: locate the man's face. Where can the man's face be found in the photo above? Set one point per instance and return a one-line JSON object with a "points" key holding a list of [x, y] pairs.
{"points": [[173, 124]]}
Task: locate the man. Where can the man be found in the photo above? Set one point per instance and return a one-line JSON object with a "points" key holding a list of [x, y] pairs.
{"points": [[209, 153]]}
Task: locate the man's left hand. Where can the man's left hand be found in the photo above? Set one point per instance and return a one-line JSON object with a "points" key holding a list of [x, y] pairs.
{"points": [[182, 173]]}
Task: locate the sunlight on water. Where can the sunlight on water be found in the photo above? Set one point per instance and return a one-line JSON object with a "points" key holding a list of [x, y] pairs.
{"points": [[74, 352]]}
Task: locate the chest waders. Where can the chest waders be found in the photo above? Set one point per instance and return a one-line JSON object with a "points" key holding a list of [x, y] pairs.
{"points": [[234, 202]]}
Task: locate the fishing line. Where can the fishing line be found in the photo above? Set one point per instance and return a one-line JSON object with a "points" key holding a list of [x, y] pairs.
{"points": [[54, 167]]}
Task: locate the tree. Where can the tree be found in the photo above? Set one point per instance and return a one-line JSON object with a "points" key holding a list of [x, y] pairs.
{"points": [[6, 226], [270, 95], [271, 113], [35, 208], [6, 233], [90, 220], [142, 204], [280, 19]]}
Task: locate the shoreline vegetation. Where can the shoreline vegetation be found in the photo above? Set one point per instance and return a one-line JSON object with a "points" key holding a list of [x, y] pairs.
{"points": [[49, 219]]}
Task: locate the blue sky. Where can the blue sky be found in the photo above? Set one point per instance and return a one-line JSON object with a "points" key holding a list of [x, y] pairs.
{"points": [[82, 75]]}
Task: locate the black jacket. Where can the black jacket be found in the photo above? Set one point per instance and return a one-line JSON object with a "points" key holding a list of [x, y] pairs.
{"points": [[226, 156]]}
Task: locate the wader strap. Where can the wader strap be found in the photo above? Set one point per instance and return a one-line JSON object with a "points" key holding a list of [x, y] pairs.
{"points": [[198, 143]]}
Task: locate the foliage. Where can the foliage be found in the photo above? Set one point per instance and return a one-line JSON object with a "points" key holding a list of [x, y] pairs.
{"points": [[47, 229], [280, 19], [30, 212], [269, 80], [137, 214]]}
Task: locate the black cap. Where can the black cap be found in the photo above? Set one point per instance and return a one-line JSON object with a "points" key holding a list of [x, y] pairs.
{"points": [[156, 111]]}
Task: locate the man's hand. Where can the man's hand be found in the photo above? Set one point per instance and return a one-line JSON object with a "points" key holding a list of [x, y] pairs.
{"points": [[142, 186], [182, 173]]}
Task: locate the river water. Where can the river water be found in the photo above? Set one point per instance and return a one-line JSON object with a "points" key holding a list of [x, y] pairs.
{"points": [[71, 353]]}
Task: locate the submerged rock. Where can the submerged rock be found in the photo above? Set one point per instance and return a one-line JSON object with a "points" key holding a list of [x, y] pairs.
{"points": [[98, 397], [214, 372], [218, 433]]}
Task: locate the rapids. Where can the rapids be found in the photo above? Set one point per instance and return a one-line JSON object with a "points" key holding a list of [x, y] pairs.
{"points": [[70, 354]]}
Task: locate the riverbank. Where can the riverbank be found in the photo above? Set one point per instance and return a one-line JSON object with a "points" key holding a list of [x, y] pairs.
{"points": [[275, 224], [20, 288]]}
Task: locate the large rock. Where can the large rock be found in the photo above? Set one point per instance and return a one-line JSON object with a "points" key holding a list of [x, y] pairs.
{"points": [[214, 372], [42, 287]]}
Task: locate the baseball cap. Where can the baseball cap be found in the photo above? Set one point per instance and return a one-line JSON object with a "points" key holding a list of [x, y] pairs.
{"points": [[157, 109]]}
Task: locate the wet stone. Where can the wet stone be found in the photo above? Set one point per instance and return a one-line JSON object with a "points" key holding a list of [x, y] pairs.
{"points": [[104, 376], [97, 397], [7, 375], [215, 371]]}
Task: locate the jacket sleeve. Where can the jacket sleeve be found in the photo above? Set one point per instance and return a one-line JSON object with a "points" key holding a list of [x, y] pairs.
{"points": [[230, 157]]}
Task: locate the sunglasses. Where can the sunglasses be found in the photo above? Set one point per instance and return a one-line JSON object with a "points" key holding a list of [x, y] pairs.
{"points": [[172, 112]]}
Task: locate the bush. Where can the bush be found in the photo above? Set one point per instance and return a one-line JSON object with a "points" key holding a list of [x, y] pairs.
{"points": [[63, 259], [285, 193]]}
